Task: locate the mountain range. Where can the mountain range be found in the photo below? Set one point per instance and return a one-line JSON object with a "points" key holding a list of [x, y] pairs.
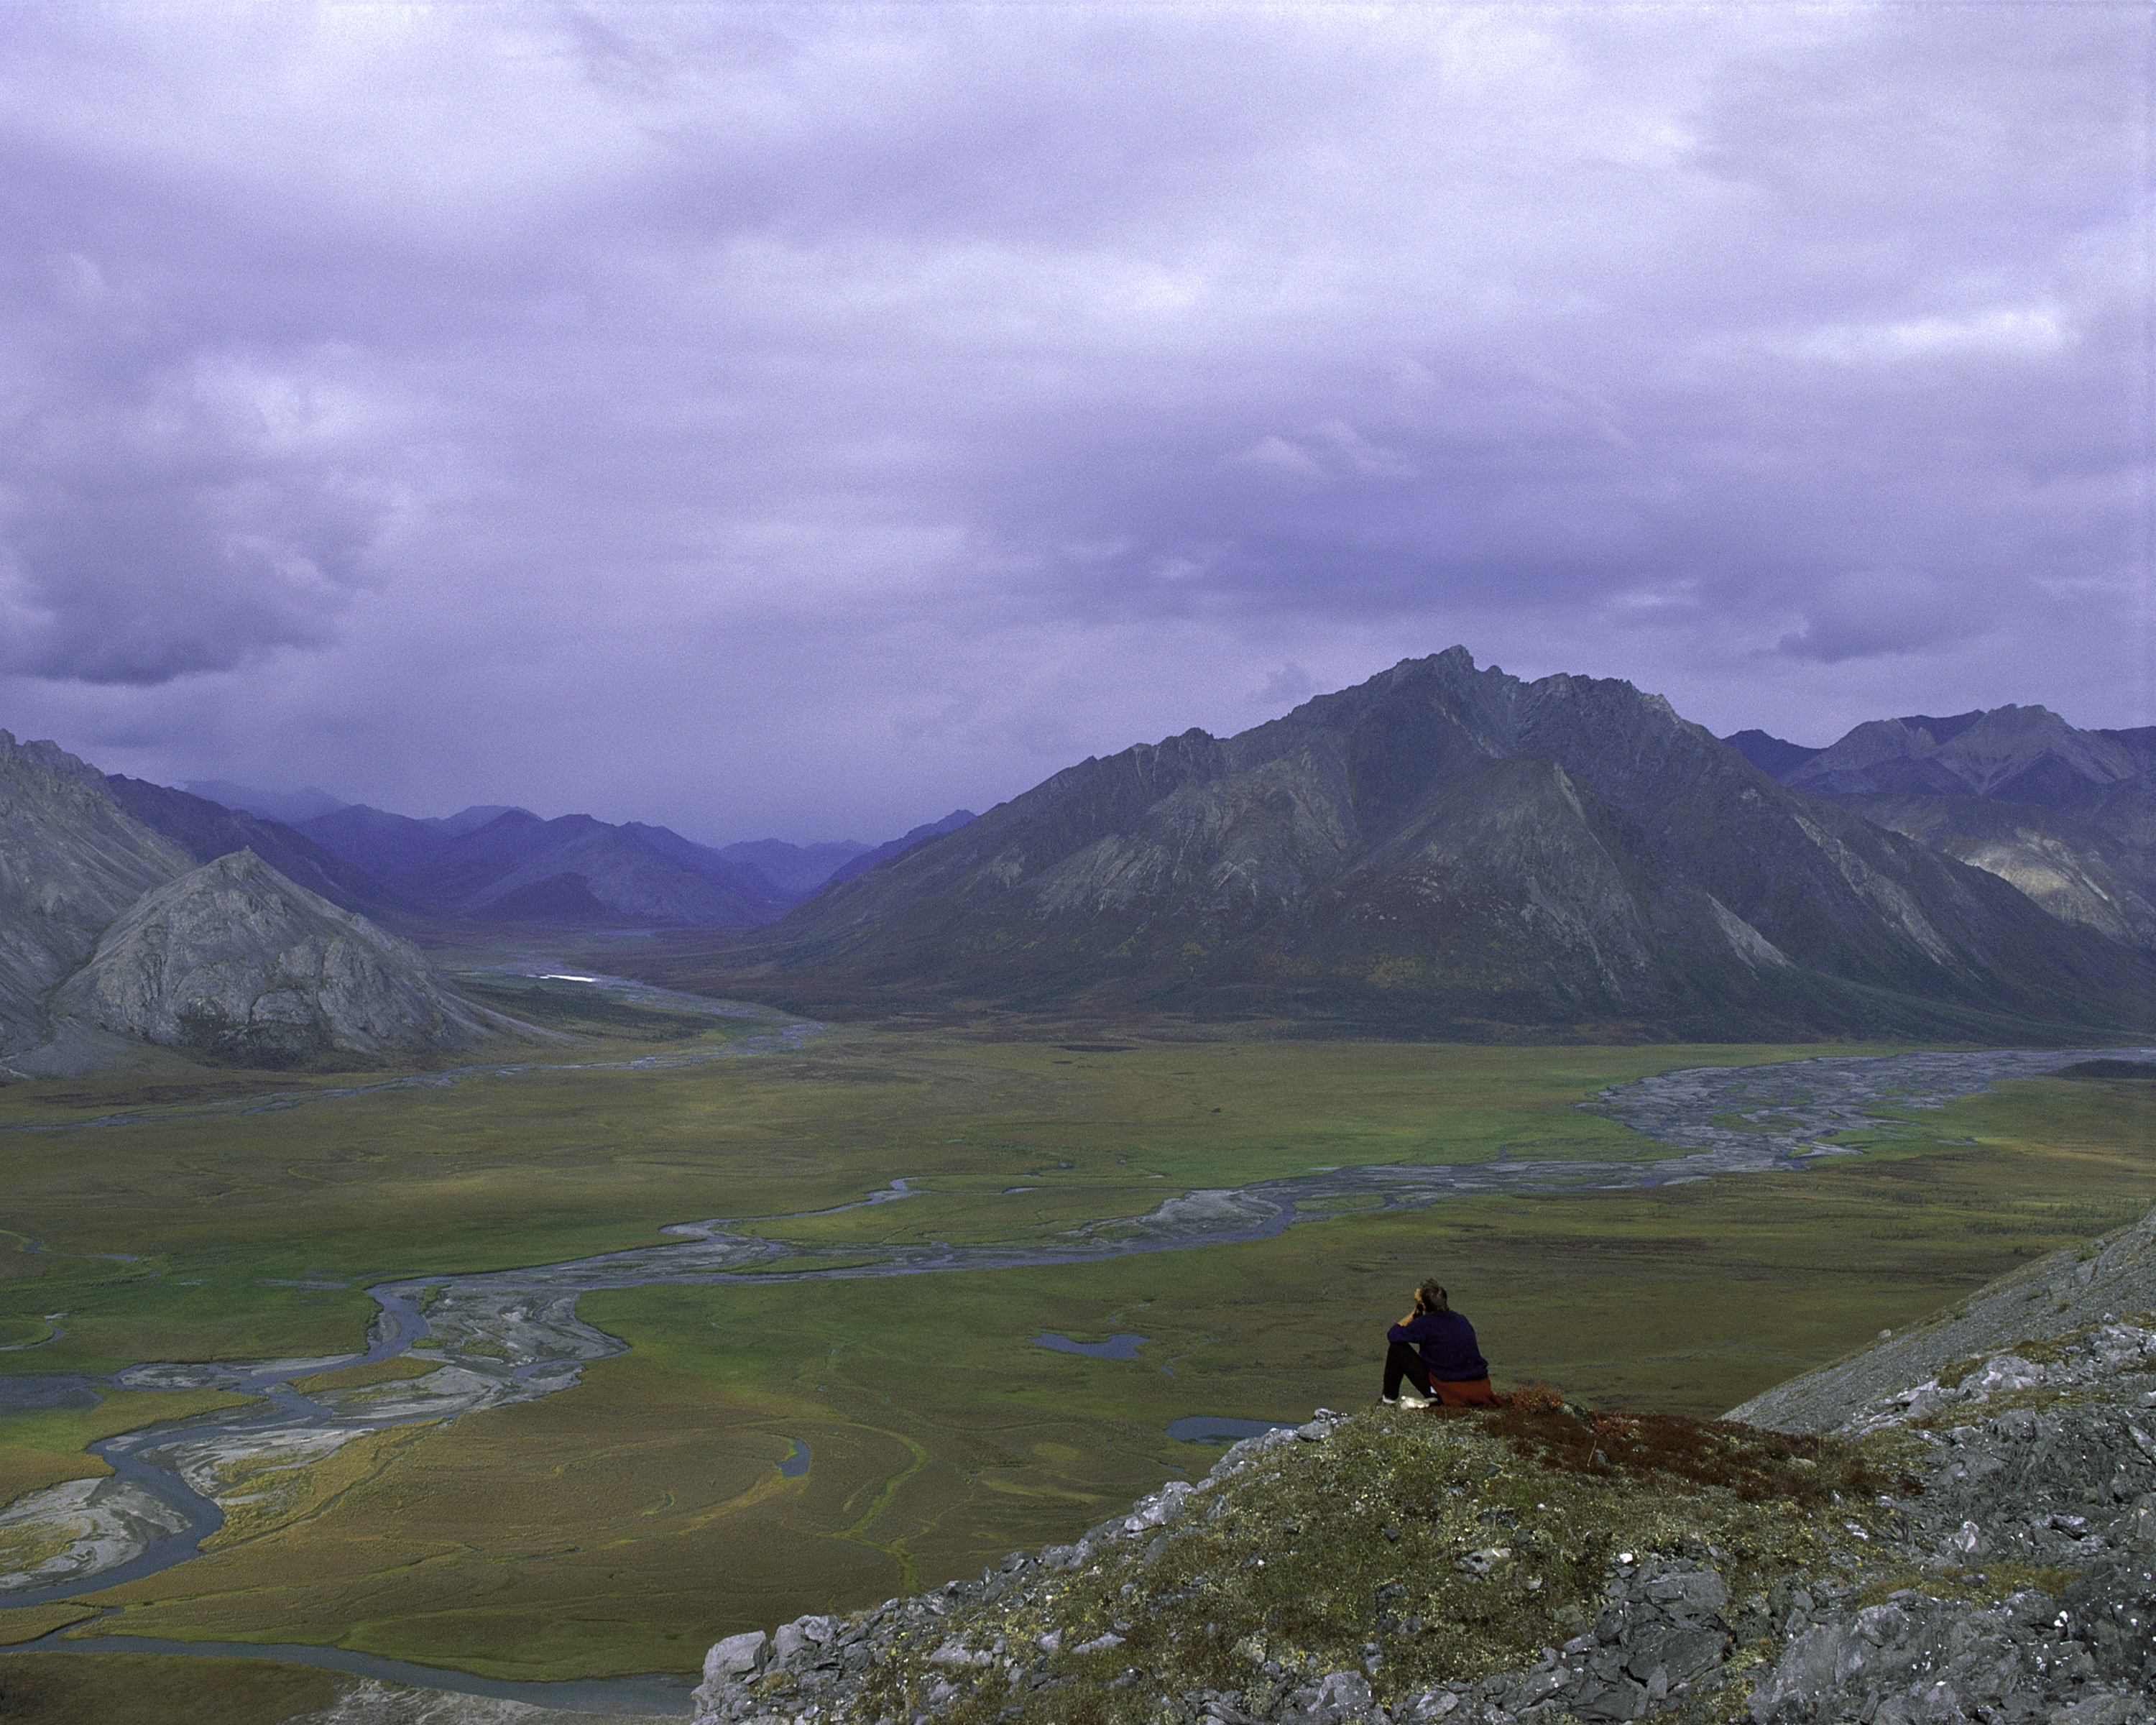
{"points": [[2067, 815], [495, 864], [1447, 851], [113, 936], [1442, 850]]}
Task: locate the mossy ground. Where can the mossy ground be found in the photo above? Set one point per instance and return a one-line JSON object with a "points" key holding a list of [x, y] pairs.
{"points": [[1424, 1547], [62, 1689]]}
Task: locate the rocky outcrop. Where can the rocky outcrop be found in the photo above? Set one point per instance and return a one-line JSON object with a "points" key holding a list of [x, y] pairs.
{"points": [[1976, 1543], [71, 859], [2069, 1293], [233, 962]]}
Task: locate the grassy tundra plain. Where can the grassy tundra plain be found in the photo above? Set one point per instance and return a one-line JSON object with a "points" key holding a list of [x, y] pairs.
{"points": [[623, 1525]]}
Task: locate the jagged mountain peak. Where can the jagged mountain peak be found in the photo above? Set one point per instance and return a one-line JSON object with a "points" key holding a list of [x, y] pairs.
{"points": [[47, 756], [2016, 753], [2064, 814], [1441, 846]]}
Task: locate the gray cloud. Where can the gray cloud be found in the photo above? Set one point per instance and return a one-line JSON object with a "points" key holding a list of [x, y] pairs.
{"points": [[865, 409]]}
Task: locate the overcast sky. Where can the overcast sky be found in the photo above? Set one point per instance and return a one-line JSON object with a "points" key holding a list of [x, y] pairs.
{"points": [[801, 420]]}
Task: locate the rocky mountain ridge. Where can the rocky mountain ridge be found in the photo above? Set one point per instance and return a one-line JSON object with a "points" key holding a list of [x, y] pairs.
{"points": [[207, 830], [1436, 852], [71, 859], [1978, 1545], [233, 962], [2067, 815], [113, 941]]}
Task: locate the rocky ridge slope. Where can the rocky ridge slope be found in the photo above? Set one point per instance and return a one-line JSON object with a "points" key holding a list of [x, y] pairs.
{"points": [[2067, 815], [1441, 850], [234, 961], [1976, 1543], [207, 830], [71, 859]]}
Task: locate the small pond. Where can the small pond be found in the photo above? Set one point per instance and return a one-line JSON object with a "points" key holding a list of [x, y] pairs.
{"points": [[1115, 1347]]}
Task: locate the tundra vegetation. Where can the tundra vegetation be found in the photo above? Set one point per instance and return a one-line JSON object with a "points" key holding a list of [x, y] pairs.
{"points": [[623, 1525]]}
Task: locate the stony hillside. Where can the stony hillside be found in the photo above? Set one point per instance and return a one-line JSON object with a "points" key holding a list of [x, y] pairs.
{"points": [[1440, 849], [71, 859], [1978, 1543], [2067, 815], [235, 962]]}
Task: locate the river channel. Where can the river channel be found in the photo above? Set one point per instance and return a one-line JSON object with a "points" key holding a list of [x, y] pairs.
{"points": [[513, 1335]]}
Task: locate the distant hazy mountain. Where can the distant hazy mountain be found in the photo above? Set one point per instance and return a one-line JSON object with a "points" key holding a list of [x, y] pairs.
{"points": [[633, 876], [233, 962], [471, 819], [499, 864], [391, 848], [287, 806], [71, 859], [2010, 754], [869, 859], [207, 830], [496, 866], [795, 870], [1770, 754], [2067, 815], [1441, 849]]}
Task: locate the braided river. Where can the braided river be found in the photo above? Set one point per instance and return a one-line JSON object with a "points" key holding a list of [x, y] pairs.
{"points": [[510, 1335]]}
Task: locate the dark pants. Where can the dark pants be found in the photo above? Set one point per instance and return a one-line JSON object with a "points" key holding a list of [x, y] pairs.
{"points": [[1403, 1361]]}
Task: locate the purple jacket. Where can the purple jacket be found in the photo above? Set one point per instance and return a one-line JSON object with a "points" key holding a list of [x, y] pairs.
{"points": [[1447, 1343]]}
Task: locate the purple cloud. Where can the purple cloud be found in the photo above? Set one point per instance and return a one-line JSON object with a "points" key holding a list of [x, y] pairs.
{"points": [[808, 421]]}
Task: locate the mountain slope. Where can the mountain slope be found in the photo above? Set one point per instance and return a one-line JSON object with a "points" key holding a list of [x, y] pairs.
{"points": [[71, 859], [868, 858], [286, 806], [234, 961], [500, 869], [1442, 847], [395, 849], [2067, 815], [628, 874], [2073, 868], [795, 870], [207, 830]]}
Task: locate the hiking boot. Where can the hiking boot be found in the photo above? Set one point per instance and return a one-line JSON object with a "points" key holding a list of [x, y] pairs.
{"points": [[1415, 1398]]}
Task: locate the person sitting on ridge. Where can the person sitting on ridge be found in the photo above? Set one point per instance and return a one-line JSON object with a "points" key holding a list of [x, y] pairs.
{"points": [[1434, 1348]]}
